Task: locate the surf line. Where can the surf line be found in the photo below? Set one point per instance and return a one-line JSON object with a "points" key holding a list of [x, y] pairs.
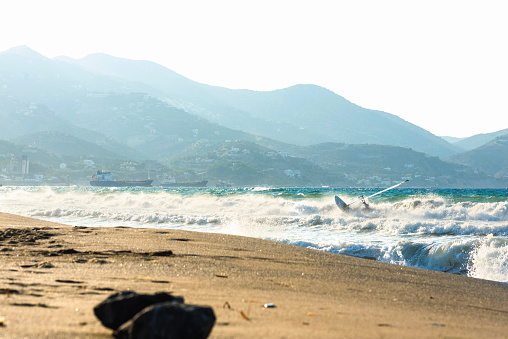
{"points": [[345, 207]]}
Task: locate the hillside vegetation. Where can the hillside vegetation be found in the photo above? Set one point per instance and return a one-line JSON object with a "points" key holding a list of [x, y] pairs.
{"points": [[70, 118]]}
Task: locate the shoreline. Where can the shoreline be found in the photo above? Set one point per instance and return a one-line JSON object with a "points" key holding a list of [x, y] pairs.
{"points": [[52, 275]]}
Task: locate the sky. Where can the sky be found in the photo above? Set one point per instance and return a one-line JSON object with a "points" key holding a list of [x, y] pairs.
{"points": [[441, 65]]}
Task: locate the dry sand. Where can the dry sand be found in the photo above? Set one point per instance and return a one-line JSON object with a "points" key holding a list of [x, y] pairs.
{"points": [[52, 275]]}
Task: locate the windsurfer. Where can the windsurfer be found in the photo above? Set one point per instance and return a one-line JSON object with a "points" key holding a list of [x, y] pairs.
{"points": [[362, 198]]}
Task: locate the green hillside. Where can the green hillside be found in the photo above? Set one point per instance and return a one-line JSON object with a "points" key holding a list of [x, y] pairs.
{"points": [[63, 144], [302, 114], [246, 163]]}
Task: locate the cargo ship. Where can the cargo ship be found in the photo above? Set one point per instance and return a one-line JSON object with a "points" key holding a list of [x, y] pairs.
{"points": [[103, 178], [173, 183]]}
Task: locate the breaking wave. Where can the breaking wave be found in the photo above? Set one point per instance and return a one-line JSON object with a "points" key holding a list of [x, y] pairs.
{"points": [[450, 232]]}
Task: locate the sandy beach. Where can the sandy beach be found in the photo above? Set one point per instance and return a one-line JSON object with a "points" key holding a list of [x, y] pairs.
{"points": [[52, 276]]}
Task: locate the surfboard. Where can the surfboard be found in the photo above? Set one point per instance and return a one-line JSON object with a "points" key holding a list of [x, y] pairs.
{"points": [[342, 205]]}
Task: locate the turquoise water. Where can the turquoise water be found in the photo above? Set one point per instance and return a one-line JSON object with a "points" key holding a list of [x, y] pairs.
{"points": [[448, 230]]}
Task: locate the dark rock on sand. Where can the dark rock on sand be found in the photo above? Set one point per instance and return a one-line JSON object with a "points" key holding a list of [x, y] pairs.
{"points": [[169, 320], [121, 307]]}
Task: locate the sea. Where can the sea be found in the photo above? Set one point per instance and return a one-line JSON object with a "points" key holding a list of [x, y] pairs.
{"points": [[458, 231]]}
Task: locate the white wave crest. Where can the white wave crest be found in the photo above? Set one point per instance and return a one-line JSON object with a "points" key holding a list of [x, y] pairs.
{"points": [[490, 260], [423, 231]]}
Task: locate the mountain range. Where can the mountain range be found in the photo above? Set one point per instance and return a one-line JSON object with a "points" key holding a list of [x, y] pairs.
{"points": [[301, 114], [475, 141], [112, 107], [491, 158]]}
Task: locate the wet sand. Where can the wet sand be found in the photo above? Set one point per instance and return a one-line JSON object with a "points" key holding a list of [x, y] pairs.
{"points": [[53, 275]]}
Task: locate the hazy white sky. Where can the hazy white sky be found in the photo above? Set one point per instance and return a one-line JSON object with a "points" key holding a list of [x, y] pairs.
{"points": [[442, 65]]}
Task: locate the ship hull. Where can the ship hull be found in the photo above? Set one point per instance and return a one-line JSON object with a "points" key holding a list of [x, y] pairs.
{"points": [[113, 183], [186, 184]]}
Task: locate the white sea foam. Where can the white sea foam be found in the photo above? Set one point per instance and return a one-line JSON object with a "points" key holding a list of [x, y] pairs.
{"points": [[412, 216], [489, 260], [217, 213], [425, 231]]}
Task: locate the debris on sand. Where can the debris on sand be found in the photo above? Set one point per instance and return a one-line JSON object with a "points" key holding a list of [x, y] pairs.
{"points": [[120, 307], [159, 315], [169, 320]]}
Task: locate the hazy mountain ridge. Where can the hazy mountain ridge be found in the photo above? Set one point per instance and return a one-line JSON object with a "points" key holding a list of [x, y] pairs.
{"points": [[478, 140], [147, 124], [491, 158], [60, 105], [319, 111], [64, 144], [198, 99], [21, 119], [301, 114], [73, 101], [27, 75]]}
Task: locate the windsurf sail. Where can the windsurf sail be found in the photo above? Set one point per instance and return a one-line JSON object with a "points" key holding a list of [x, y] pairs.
{"points": [[386, 189], [343, 206]]}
